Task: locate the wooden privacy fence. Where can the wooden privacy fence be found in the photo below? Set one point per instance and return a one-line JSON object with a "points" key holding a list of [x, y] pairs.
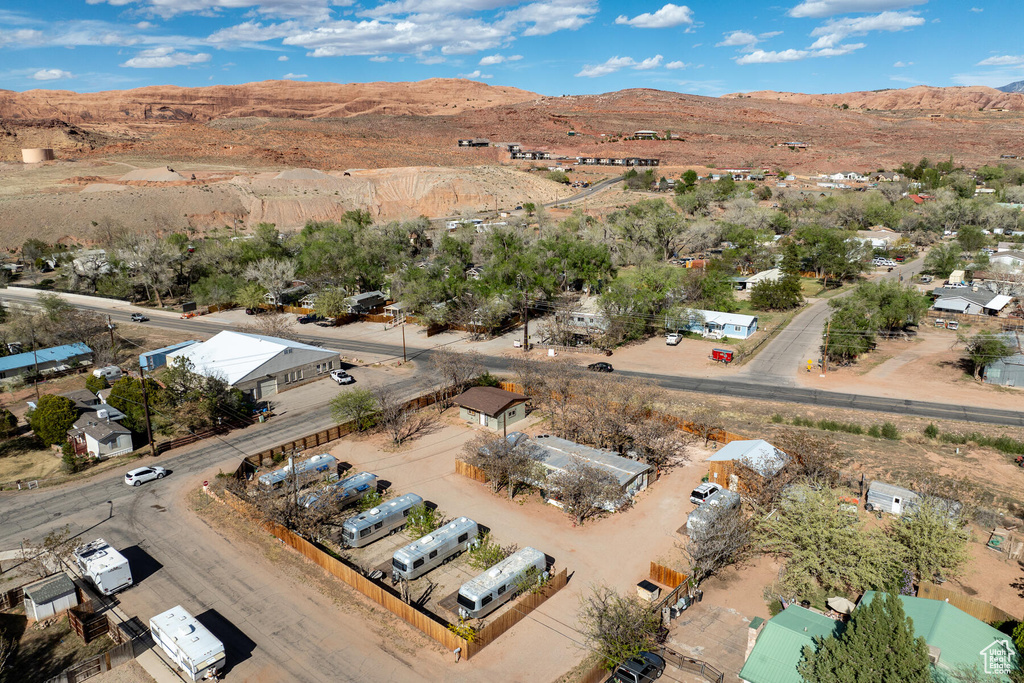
{"points": [[223, 428], [87, 624], [93, 667], [12, 598], [426, 622], [472, 471], [979, 609], [665, 576]]}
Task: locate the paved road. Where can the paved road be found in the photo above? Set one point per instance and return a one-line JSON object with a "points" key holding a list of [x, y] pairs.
{"points": [[769, 388], [801, 340], [587, 192]]}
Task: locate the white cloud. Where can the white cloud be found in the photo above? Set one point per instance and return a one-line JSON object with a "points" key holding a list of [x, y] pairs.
{"points": [[676, 65], [436, 7], [977, 9], [816, 9], [993, 79], [904, 79], [666, 17], [283, 58], [545, 18], [50, 75], [315, 10], [291, 76], [416, 35], [903, 65], [433, 59], [839, 50], [617, 63], [834, 31], [773, 57], [380, 58], [738, 39], [491, 60], [163, 57], [1003, 60], [145, 25], [475, 74], [23, 37], [252, 32]]}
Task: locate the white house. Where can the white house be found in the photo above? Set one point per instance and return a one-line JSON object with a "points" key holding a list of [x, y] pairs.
{"points": [[1012, 260], [748, 282], [97, 434], [716, 324]]}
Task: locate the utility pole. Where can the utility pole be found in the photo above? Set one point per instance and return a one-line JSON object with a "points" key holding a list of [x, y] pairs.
{"points": [[110, 326], [35, 360], [526, 325], [824, 355], [404, 359], [145, 410]]}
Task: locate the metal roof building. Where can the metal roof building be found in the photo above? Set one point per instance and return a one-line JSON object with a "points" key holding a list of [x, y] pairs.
{"points": [[23, 363], [779, 646], [1009, 371], [757, 454]]}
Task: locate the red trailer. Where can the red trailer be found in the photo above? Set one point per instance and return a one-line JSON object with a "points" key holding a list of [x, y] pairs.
{"points": [[721, 355]]}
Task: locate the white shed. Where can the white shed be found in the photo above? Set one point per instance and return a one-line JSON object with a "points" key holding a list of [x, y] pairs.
{"points": [[50, 596]]}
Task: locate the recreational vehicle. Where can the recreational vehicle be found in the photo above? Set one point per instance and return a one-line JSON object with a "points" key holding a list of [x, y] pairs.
{"points": [[482, 595], [106, 568], [436, 548], [306, 471], [188, 643], [717, 505], [341, 493], [386, 518]]}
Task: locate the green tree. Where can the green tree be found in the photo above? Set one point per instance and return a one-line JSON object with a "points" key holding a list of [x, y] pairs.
{"points": [[530, 208], [778, 295], [689, 179], [558, 177], [126, 396], [331, 303], [251, 295], [725, 187], [971, 238], [619, 628], [52, 418], [935, 537], [357, 405], [849, 333], [8, 423], [877, 645], [984, 348], [95, 384], [943, 259]]}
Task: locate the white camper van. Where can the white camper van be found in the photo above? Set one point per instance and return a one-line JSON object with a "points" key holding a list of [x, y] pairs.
{"points": [[434, 549], [106, 568], [111, 372], [482, 595], [190, 644], [386, 518]]}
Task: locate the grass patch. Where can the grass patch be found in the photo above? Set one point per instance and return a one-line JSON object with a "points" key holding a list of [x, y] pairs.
{"points": [[26, 458], [1003, 444]]}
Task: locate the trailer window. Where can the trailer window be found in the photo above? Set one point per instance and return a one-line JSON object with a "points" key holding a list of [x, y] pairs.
{"points": [[348, 533], [417, 564], [468, 603], [363, 533], [378, 525], [486, 599], [405, 513], [398, 565], [501, 589], [463, 537], [433, 554]]}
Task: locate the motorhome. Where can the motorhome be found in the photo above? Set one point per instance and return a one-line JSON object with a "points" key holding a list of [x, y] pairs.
{"points": [[105, 568], [341, 493], [387, 518], [714, 508], [191, 646], [306, 471], [434, 549], [480, 596]]}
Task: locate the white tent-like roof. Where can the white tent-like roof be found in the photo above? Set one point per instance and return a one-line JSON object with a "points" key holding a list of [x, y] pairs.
{"points": [[233, 356], [999, 302]]}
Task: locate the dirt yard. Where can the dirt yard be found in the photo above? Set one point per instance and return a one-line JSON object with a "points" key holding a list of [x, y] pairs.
{"points": [[47, 647]]}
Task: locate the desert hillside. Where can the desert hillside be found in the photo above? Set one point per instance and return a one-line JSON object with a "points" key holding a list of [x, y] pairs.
{"points": [[275, 99], [921, 97]]}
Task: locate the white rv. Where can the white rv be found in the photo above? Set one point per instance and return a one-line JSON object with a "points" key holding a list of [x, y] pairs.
{"points": [[341, 493], [306, 471], [190, 644], [386, 518], [482, 595], [106, 568], [436, 548]]}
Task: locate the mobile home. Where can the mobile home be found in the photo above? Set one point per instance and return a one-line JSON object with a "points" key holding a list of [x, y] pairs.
{"points": [[341, 493], [106, 568], [480, 596], [306, 471], [188, 643], [888, 498], [386, 518], [434, 549]]}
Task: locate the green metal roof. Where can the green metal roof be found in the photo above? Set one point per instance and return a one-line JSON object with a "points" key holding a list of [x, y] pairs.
{"points": [[959, 637], [780, 645]]}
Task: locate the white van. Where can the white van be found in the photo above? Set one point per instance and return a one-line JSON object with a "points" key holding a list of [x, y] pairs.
{"points": [[111, 372]]}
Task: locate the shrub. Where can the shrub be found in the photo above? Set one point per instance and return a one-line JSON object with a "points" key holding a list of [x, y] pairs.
{"points": [[422, 520], [488, 380], [52, 418], [486, 553], [463, 630], [370, 501], [94, 383], [890, 432], [931, 431], [875, 432], [8, 424], [778, 419]]}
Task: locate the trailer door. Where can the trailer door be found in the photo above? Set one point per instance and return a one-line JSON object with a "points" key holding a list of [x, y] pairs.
{"points": [[897, 505]]}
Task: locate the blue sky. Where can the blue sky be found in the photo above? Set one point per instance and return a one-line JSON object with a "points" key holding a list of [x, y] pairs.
{"points": [[557, 47]]}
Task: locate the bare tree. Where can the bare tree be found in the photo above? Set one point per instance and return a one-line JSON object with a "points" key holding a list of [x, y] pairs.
{"points": [[456, 370], [7, 649], [399, 421], [710, 548], [507, 462], [585, 490], [273, 325], [274, 275], [52, 552], [149, 258], [619, 628], [705, 421]]}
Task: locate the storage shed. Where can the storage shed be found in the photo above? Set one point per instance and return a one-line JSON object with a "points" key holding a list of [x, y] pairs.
{"points": [[52, 595], [157, 358], [757, 454], [1008, 371], [888, 498], [491, 407]]}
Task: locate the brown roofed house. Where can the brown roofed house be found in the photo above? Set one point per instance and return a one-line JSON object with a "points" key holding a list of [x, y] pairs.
{"points": [[491, 407]]}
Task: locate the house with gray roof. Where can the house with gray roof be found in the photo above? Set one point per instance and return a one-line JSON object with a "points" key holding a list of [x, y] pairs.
{"points": [[969, 300], [1008, 371], [755, 454], [98, 434]]}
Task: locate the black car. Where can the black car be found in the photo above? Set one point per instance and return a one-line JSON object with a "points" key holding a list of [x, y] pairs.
{"points": [[309, 318], [643, 668], [139, 318], [600, 367]]}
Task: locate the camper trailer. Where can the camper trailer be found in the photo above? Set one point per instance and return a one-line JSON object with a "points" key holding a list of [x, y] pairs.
{"points": [[188, 643], [341, 493], [434, 549], [105, 568], [482, 595], [888, 498], [717, 505], [306, 471], [386, 518]]}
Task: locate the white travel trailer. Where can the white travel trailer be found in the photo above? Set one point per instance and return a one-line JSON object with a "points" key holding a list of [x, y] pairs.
{"points": [[482, 595], [317, 467], [195, 650], [342, 493], [434, 549], [106, 568], [386, 518]]}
